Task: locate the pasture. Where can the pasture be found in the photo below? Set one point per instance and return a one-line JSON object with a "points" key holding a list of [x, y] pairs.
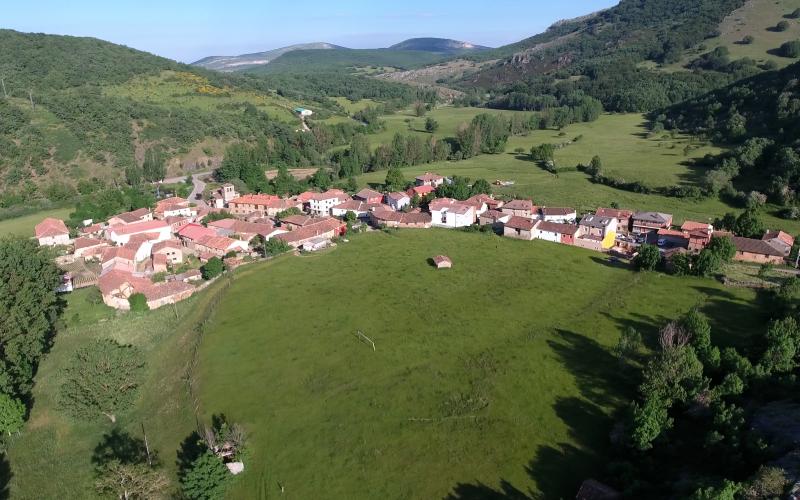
{"points": [[23, 225], [626, 152], [490, 379]]}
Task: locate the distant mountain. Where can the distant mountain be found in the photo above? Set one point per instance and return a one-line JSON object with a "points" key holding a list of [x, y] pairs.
{"points": [[438, 45], [247, 61]]}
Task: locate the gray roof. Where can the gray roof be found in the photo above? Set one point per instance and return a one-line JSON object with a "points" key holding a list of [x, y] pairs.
{"points": [[657, 217], [597, 221]]}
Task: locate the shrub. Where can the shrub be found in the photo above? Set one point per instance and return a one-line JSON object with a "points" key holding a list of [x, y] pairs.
{"points": [[790, 49], [206, 478], [782, 26], [212, 268], [138, 302], [648, 258], [747, 40]]}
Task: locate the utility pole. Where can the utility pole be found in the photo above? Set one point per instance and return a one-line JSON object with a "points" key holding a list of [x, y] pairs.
{"points": [[5, 94], [30, 96], [147, 447]]}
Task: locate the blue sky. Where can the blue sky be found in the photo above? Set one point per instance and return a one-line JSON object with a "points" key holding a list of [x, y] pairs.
{"points": [[189, 30]]}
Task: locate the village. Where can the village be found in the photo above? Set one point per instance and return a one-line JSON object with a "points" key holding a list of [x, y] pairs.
{"points": [[158, 253]]}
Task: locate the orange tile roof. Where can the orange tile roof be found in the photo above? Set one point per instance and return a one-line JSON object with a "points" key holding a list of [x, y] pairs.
{"points": [[50, 227]]}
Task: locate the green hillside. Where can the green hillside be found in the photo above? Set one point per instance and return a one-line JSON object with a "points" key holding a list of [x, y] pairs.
{"points": [[310, 61]]}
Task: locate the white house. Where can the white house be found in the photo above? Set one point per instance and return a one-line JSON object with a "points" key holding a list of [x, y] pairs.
{"points": [[360, 208], [158, 230], [561, 215], [398, 200], [555, 232], [52, 232], [429, 179], [447, 212], [322, 203], [174, 207]]}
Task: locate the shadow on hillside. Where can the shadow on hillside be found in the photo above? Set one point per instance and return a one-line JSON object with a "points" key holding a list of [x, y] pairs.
{"points": [[559, 469]]}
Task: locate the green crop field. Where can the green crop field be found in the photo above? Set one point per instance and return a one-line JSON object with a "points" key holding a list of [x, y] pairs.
{"points": [[23, 225], [620, 142], [497, 371]]}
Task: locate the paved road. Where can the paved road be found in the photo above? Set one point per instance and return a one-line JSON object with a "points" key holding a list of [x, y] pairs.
{"points": [[198, 186]]}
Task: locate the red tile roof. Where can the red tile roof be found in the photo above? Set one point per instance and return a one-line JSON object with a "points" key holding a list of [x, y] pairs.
{"points": [[124, 253], [324, 225], [759, 247], [139, 227], [194, 232], [519, 205], [691, 225], [420, 191], [429, 177], [255, 199], [163, 245], [397, 196], [555, 227], [616, 213], [450, 204], [83, 242], [366, 194], [556, 211], [133, 216], [50, 227], [522, 223], [779, 235]]}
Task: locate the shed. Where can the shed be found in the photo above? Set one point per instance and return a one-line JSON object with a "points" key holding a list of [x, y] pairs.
{"points": [[442, 262]]}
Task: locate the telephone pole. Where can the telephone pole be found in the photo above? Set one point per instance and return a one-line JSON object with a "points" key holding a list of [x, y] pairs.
{"points": [[5, 94], [30, 96]]}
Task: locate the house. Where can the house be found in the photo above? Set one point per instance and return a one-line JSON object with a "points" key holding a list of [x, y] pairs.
{"points": [[519, 208], [177, 222], [219, 246], [447, 212], [779, 240], [88, 248], [141, 245], [249, 203], [478, 202], [173, 207], [495, 218], [292, 222], [321, 203], [520, 228], [421, 191], [121, 234], [93, 230], [442, 262], [597, 232], [360, 208], [119, 258], [117, 286], [388, 218], [368, 196], [429, 179], [327, 227], [690, 225], [698, 239], [51, 232], [758, 251], [159, 262], [245, 230], [224, 195], [191, 233], [139, 215], [650, 222], [398, 200], [556, 232], [623, 217], [559, 214], [172, 250]]}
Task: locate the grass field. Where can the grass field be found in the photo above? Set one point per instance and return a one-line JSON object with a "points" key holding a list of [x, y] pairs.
{"points": [[756, 18], [489, 379], [625, 152], [52, 456], [23, 226]]}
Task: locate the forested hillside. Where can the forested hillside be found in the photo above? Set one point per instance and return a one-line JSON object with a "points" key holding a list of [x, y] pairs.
{"points": [[759, 116], [80, 108], [618, 56]]}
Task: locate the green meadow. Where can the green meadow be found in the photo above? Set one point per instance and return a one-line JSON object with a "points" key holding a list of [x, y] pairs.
{"points": [[23, 225], [491, 378]]}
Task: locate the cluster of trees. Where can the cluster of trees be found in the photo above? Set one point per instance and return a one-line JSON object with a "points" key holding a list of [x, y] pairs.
{"points": [[758, 116], [404, 150], [708, 262], [31, 308], [555, 110], [692, 431]]}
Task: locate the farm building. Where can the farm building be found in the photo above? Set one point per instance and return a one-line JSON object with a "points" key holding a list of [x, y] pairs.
{"points": [[51, 232], [779, 240], [758, 251], [520, 228], [388, 218], [520, 208]]}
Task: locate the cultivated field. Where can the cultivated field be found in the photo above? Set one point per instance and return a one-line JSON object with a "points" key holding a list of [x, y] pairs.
{"points": [[492, 378]]}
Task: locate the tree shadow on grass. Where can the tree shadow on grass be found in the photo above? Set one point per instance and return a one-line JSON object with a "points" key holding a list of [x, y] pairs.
{"points": [[120, 445], [5, 477], [480, 491], [189, 450]]}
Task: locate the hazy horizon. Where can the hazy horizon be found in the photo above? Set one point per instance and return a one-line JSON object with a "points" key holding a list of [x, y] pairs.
{"points": [[188, 31]]}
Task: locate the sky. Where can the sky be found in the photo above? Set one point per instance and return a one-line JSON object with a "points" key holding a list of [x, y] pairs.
{"points": [[189, 30]]}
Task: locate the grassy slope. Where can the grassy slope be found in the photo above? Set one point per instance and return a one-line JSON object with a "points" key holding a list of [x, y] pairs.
{"points": [[619, 141], [23, 226], [52, 457], [523, 326], [756, 19]]}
